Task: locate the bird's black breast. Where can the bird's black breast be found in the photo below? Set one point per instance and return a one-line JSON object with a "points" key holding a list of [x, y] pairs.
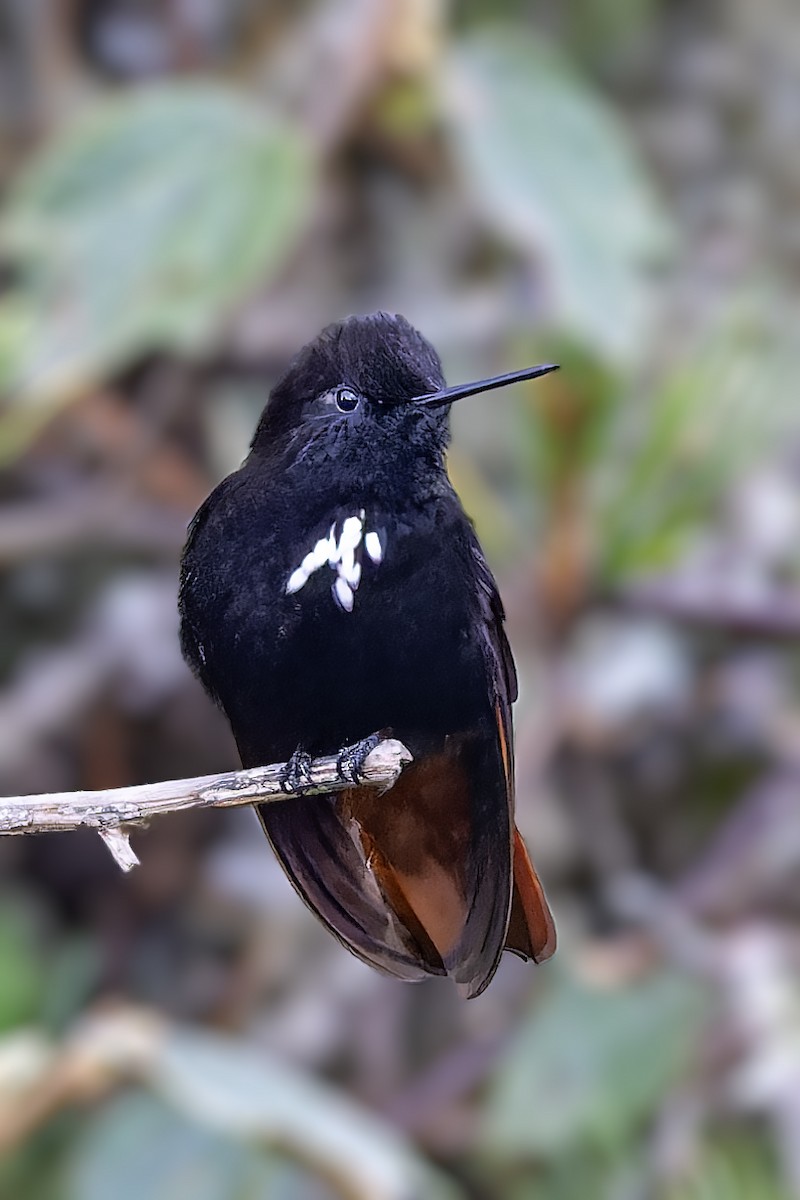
{"points": [[266, 628]]}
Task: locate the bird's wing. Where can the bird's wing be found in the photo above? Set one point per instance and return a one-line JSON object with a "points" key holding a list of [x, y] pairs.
{"points": [[319, 847], [531, 930], [190, 593]]}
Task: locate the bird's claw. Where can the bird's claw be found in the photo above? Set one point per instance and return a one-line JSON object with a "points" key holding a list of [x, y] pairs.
{"points": [[296, 774], [350, 763]]}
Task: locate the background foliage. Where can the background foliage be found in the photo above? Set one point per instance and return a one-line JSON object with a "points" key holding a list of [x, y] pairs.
{"points": [[188, 192]]}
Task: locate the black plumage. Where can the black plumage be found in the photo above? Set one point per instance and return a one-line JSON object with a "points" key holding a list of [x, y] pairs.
{"points": [[333, 586]]}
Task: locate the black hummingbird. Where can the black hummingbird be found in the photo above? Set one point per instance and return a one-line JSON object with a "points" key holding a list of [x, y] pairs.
{"points": [[333, 585]]}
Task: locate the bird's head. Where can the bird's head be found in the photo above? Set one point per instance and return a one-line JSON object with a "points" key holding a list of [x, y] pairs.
{"points": [[367, 388]]}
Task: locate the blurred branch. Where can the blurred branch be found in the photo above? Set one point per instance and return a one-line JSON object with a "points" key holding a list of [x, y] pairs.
{"points": [[95, 517], [640, 899], [774, 616], [338, 58], [111, 812], [125, 644], [425, 1108], [754, 851]]}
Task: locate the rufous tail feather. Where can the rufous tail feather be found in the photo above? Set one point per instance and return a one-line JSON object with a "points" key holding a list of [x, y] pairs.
{"points": [[531, 929]]}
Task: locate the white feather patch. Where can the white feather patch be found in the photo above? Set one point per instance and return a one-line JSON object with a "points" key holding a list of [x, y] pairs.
{"points": [[343, 593], [343, 556], [297, 579], [372, 545]]}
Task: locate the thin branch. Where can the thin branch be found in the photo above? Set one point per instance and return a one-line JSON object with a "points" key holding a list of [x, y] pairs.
{"points": [[111, 812]]}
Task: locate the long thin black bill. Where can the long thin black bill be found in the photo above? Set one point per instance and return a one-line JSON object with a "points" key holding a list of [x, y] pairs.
{"points": [[461, 390]]}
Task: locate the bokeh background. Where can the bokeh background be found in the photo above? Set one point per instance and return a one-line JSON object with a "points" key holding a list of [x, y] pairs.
{"points": [[189, 190]]}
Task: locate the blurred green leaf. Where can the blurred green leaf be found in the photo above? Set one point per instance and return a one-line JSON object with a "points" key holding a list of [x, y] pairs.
{"points": [[139, 1147], [729, 1170], [603, 32], [567, 418], [227, 1086], [492, 519], [33, 1170], [552, 165], [73, 971], [589, 1065], [714, 415], [732, 1170], [580, 1176], [21, 973], [40, 982], [138, 229]]}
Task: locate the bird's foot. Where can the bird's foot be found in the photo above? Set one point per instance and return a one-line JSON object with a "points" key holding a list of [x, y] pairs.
{"points": [[350, 763], [296, 774]]}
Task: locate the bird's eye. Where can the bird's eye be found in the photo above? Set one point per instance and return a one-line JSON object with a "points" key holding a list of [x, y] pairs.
{"points": [[347, 400]]}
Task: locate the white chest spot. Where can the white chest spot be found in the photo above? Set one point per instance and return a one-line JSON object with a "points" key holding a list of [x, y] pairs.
{"points": [[343, 555], [372, 545]]}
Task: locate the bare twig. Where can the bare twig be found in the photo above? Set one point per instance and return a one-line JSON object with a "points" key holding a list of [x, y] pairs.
{"points": [[111, 812]]}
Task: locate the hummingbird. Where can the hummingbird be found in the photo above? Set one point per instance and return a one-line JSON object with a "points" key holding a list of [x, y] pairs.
{"points": [[333, 586]]}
